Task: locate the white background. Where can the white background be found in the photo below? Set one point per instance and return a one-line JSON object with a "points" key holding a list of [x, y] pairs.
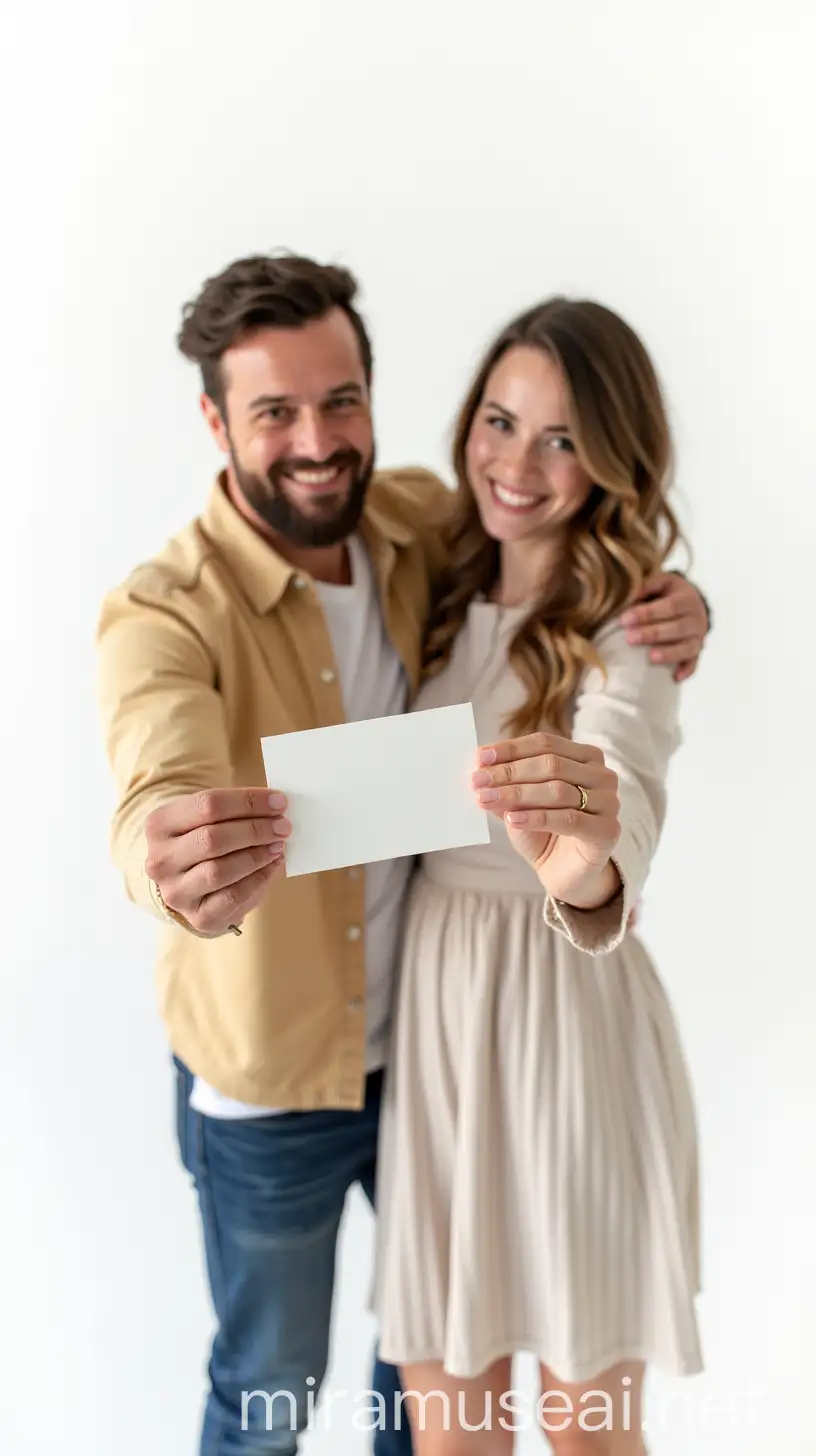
{"points": [[465, 160]]}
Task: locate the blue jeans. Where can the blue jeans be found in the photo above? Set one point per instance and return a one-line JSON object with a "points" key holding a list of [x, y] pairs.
{"points": [[271, 1192]]}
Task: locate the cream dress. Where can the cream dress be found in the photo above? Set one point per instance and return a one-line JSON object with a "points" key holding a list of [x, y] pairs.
{"points": [[538, 1184]]}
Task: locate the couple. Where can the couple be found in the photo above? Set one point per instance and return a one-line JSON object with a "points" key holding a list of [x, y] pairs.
{"points": [[532, 1143]]}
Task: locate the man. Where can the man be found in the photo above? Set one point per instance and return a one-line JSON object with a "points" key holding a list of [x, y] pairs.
{"points": [[297, 600]]}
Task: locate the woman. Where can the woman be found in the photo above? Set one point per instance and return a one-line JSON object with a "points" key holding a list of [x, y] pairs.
{"points": [[538, 1186]]}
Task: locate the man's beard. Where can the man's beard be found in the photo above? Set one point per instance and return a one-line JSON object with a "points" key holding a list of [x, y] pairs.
{"points": [[266, 495]]}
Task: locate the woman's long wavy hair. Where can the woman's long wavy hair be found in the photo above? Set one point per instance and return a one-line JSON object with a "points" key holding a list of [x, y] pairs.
{"points": [[623, 533]]}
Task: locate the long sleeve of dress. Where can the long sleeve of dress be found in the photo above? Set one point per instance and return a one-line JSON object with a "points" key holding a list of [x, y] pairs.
{"points": [[630, 712]]}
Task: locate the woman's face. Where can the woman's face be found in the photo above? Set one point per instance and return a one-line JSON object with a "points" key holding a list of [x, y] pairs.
{"points": [[520, 459]]}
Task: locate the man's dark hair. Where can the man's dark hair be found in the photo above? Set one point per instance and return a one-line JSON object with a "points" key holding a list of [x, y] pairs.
{"points": [[275, 291]]}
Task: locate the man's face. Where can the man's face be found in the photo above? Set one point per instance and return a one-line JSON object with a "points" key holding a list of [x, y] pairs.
{"points": [[298, 428]]}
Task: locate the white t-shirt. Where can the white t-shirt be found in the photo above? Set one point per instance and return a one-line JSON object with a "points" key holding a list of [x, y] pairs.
{"points": [[373, 685]]}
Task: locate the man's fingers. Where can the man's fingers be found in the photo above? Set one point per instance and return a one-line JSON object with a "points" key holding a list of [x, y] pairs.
{"points": [[214, 841], [204, 880], [669, 629], [657, 582], [217, 911], [658, 609], [675, 652], [213, 806]]}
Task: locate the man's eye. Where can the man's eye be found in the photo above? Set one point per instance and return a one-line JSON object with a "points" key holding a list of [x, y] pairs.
{"points": [[344, 401]]}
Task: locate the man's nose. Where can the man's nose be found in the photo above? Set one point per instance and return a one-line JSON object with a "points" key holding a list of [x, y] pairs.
{"points": [[311, 438]]}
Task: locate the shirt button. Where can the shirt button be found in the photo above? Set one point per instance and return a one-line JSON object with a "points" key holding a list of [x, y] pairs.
{"points": [[327, 675], [354, 873], [299, 582], [354, 932], [356, 1003]]}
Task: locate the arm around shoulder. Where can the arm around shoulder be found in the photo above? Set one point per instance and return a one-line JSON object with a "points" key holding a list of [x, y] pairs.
{"points": [[428, 504]]}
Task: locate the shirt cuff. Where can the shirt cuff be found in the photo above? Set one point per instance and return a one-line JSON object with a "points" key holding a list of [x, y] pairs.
{"points": [[599, 931]]}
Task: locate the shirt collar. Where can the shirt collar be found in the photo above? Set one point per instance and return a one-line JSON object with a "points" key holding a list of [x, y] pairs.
{"points": [[261, 572]]}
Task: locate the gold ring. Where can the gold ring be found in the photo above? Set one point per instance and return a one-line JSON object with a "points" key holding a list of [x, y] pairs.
{"points": [[583, 803]]}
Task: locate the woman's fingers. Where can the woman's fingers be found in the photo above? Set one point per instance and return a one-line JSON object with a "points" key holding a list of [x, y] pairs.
{"points": [[556, 794], [533, 746], [543, 779], [569, 823], [542, 784], [560, 788]]}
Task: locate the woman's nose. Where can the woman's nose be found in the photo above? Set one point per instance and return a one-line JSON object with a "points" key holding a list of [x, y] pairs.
{"points": [[517, 462]]}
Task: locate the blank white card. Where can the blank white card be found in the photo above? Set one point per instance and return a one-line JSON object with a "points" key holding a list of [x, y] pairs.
{"points": [[378, 789]]}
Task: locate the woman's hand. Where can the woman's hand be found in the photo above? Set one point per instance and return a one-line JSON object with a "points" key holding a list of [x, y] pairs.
{"points": [[560, 804]]}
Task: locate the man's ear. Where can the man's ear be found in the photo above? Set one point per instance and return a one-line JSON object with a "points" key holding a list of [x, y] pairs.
{"points": [[215, 423]]}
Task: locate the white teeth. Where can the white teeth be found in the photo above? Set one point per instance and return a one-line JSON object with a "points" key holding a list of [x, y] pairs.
{"points": [[515, 498], [314, 477]]}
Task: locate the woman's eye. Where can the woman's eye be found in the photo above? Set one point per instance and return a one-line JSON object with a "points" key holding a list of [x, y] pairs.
{"points": [[561, 442], [499, 423]]}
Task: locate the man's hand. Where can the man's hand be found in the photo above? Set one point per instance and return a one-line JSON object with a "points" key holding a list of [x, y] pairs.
{"points": [[213, 855], [672, 618]]}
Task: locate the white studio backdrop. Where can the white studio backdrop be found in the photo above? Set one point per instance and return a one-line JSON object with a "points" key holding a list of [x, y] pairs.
{"points": [[464, 159]]}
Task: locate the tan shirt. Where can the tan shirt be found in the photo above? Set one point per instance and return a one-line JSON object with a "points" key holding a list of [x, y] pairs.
{"points": [[202, 652]]}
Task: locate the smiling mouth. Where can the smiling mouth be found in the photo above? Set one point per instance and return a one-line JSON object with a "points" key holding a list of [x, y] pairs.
{"points": [[317, 482], [519, 501]]}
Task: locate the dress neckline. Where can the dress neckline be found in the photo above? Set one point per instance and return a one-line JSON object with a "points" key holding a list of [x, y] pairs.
{"points": [[481, 603]]}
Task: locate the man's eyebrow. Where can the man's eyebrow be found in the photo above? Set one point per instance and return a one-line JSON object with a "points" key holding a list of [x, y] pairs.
{"points": [[350, 387], [263, 401], [267, 399]]}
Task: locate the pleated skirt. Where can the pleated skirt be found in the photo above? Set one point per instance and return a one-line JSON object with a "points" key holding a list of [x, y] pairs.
{"points": [[538, 1175]]}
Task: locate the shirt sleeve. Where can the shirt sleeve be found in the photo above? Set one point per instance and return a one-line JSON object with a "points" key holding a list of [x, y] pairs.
{"points": [[632, 714], [429, 505], [163, 723]]}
